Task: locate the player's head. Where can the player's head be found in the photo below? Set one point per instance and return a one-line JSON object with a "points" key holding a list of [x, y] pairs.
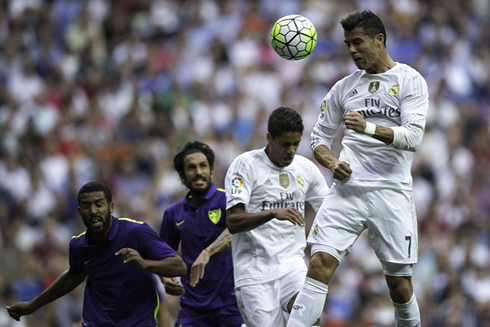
{"points": [[284, 131], [95, 206], [365, 37], [195, 163], [366, 20], [94, 187]]}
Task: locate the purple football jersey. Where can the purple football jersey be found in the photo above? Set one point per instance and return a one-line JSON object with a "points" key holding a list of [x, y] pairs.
{"points": [[198, 227], [117, 294]]}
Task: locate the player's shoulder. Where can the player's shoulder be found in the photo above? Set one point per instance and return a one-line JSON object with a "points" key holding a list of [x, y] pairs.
{"points": [[256, 153], [249, 158], [410, 80], [133, 227], [303, 163], [174, 211], [128, 223], [176, 206], [218, 194], [302, 159], [350, 79], [407, 71], [344, 85], [78, 239]]}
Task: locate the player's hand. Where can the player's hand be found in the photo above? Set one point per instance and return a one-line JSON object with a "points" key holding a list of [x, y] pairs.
{"points": [[19, 309], [132, 258], [354, 120], [198, 267], [290, 214], [172, 286], [341, 171]]}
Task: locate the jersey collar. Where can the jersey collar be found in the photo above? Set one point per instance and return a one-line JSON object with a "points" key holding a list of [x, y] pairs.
{"points": [[208, 195], [112, 233]]}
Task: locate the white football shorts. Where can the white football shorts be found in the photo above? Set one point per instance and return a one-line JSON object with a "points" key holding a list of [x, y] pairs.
{"points": [[387, 213], [266, 304]]}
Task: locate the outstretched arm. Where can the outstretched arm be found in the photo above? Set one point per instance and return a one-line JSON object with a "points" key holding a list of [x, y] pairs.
{"points": [[222, 243], [167, 267], [63, 284], [237, 220]]}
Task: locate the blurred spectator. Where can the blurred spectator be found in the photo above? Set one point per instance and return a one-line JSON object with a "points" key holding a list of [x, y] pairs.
{"points": [[109, 90]]}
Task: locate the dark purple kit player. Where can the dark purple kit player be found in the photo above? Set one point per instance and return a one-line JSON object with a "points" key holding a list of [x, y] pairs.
{"points": [[116, 257], [198, 223]]}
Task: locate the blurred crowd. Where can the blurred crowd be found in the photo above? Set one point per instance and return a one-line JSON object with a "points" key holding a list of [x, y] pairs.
{"points": [[109, 90]]}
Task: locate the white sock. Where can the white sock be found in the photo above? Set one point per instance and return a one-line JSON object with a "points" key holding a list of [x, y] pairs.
{"points": [[309, 303], [407, 314]]}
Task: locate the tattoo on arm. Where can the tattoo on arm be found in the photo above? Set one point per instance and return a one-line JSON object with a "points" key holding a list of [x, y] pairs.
{"points": [[222, 243]]}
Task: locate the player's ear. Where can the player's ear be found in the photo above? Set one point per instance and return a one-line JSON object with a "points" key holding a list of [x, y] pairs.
{"points": [[269, 138], [111, 207], [380, 38], [182, 178]]}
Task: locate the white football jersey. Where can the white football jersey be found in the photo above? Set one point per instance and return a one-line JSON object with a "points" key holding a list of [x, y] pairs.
{"points": [[398, 99], [270, 250]]}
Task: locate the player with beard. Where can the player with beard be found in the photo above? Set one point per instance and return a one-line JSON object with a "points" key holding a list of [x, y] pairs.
{"points": [[198, 224], [116, 257]]}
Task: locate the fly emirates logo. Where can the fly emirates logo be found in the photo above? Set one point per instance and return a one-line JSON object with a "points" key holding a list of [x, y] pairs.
{"points": [[287, 200], [373, 108]]}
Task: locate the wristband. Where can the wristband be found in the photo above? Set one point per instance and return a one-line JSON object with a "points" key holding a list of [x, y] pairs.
{"points": [[370, 129]]}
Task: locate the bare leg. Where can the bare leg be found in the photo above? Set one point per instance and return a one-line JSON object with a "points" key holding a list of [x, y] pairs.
{"points": [[309, 303], [407, 311]]}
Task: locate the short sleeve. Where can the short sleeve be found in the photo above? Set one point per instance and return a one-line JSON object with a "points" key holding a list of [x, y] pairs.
{"points": [[167, 231], [153, 247], [75, 260]]}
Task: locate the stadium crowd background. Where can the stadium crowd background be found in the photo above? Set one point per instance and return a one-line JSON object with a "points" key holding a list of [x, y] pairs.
{"points": [[109, 90]]}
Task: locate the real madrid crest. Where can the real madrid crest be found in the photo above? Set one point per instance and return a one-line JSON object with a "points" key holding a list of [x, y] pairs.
{"points": [[373, 87], [284, 180], [394, 90], [315, 230], [300, 181]]}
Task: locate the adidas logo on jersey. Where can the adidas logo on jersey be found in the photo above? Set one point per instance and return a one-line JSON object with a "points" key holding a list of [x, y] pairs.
{"points": [[268, 182], [352, 93]]}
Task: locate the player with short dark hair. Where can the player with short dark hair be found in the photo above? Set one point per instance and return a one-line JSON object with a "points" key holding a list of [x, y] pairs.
{"points": [[198, 224], [116, 257], [383, 106], [266, 191]]}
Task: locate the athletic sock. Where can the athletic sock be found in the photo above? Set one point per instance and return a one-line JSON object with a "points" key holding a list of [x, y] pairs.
{"points": [[407, 314], [309, 303]]}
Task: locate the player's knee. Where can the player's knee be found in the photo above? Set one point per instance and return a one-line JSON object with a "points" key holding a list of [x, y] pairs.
{"points": [[401, 295], [322, 266], [400, 288]]}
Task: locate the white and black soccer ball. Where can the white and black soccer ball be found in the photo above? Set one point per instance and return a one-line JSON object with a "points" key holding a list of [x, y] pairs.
{"points": [[293, 37]]}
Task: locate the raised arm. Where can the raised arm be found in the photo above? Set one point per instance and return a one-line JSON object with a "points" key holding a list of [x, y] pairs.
{"points": [[63, 284], [222, 243], [237, 220]]}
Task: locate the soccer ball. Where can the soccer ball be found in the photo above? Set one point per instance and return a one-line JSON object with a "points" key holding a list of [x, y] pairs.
{"points": [[293, 37]]}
